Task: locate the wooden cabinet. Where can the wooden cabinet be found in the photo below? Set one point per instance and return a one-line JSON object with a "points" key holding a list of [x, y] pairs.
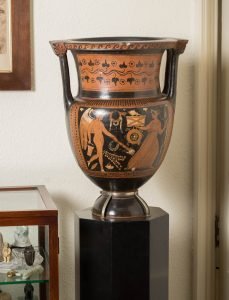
{"points": [[32, 208]]}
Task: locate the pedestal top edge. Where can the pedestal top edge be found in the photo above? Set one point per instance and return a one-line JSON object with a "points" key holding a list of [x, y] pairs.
{"points": [[86, 214]]}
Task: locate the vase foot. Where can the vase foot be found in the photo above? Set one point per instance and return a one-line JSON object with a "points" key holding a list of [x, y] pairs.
{"points": [[120, 205]]}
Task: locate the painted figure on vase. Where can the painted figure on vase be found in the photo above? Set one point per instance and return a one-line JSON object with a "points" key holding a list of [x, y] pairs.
{"points": [[125, 139], [97, 129], [150, 147]]}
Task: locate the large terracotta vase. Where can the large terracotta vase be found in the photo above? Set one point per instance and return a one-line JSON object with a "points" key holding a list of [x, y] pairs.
{"points": [[120, 123]]}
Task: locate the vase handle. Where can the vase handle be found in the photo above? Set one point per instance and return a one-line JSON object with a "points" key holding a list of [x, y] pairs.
{"points": [[171, 74], [68, 98], [61, 51]]}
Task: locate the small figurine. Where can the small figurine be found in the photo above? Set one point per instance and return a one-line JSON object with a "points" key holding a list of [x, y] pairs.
{"points": [[29, 289], [21, 236], [5, 296], [1, 247], [29, 254], [11, 274], [6, 252], [31, 271]]}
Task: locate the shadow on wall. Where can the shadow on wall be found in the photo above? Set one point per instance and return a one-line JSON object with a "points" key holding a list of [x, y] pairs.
{"points": [[176, 179], [177, 168]]}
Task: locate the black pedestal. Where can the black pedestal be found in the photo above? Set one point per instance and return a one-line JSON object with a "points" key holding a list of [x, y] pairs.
{"points": [[124, 260]]}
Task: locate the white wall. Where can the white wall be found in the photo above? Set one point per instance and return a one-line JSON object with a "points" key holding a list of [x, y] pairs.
{"points": [[34, 147]]}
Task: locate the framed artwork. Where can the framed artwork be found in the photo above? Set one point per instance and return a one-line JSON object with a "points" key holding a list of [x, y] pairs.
{"points": [[15, 56]]}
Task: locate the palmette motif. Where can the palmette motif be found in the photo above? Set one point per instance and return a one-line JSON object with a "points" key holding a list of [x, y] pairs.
{"points": [[117, 73]]}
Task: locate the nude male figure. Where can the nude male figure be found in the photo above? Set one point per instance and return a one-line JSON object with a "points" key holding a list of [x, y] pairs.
{"points": [[97, 128]]}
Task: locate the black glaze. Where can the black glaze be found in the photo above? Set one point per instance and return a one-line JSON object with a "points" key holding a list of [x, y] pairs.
{"points": [[68, 98], [171, 75], [118, 206], [110, 95], [124, 260], [119, 184], [129, 208]]}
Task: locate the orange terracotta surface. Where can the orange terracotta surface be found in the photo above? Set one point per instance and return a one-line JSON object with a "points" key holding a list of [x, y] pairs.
{"points": [[119, 73]]}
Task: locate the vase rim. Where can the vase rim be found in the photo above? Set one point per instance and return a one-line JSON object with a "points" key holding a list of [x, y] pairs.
{"points": [[119, 43], [121, 39]]}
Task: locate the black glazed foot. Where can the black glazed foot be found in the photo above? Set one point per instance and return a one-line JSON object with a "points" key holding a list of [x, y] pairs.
{"points": [[118, 205]]}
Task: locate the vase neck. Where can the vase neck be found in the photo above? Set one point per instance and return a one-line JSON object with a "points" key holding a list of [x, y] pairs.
{"points": [[118, 75]]}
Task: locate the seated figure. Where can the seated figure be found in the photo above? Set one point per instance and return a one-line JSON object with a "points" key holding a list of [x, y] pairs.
{"points": [[21, 236]]}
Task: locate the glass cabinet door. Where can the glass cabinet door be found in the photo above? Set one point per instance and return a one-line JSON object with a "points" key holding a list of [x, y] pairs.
{"points": [[26, 268], [29, 243]]}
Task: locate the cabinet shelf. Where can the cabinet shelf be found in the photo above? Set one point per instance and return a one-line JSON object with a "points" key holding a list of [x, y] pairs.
{"points": [[36, 278], [4, 280]]}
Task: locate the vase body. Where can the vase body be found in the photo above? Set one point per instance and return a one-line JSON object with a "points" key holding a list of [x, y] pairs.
{"points": [[120, 123]]}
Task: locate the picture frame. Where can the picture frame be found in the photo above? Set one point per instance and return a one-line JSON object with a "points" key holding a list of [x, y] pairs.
{"points": [[15, 50]]}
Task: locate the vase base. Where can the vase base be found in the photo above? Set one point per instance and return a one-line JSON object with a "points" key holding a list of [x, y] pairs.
{"points": [[120, 205]]}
